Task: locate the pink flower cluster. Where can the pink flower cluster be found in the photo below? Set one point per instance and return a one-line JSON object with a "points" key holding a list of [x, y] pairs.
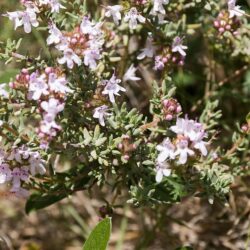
{"points": [[224, 23], [49, 90], [188, 142], [28, 17], [174, 55], [171, 108], [17, 165], [82, 44]]}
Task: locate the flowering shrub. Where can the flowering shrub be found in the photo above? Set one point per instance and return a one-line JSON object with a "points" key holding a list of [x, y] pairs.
{"points": [[135, 95]]}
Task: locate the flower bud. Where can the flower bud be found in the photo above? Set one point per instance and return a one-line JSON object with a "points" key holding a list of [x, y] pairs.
{"points": [[169, 117]]}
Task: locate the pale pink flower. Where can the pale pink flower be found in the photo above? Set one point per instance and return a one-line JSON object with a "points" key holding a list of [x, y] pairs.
{"points": [[90, 57], [112, 88], [3, 92], [130, 74], [26, 18], [167, 150], [133, 17], [58, 84], [148, 51], [183, 151], [18, 175], [234, 10], [36, 164], [100, 113], [5, 173], [115, 12], [177, 46], [162, 169], [70, 58], [158, 6], [37, 86], [52, 106], [55, 35]]}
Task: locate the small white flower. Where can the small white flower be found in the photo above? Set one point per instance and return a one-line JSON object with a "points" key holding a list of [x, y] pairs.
{"points": [[90, 57], [158, 6], [26, 18], [112, 88], [70, 58], [130, 74], [166, 149], [91, 28], [201, 145], [52, 106], [183, 151], [133, 17], [178, 47], [182, 126], [18, 175], [86, 25], [54, 5], [3, 92], [36, 164], [15, 17], [148, 51], [58, 84], [48, 126], [162, 169], [37, 87], [55, 35], [115, 12], [100, 113], [234, 10], [5, 173]]}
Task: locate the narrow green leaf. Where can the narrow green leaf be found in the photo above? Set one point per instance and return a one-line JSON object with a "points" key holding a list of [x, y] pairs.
{"points": [[37, 201]]}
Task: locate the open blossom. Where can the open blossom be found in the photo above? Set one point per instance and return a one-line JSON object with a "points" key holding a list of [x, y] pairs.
{"points": [[70, 58], [158, 6], [234, 10], [159, 63], [18, 175], [52, 106], [83, 44], [90, 58], [115, 12], [178, 47], [90, 27], [130, 74], [167, 150], [55, 35], [192, 130], [4, 93], [162, 169], [100, 113], [5, 173], [189, 139], [37, 86], [112, 88], [148, 51], [24, 162], [183, 150], [58, 84], [53, 4], [36, 164], [26, 18], [133, 17]]}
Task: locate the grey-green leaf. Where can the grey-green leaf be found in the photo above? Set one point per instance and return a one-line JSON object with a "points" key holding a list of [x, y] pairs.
{"points": [[99, 237]]}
